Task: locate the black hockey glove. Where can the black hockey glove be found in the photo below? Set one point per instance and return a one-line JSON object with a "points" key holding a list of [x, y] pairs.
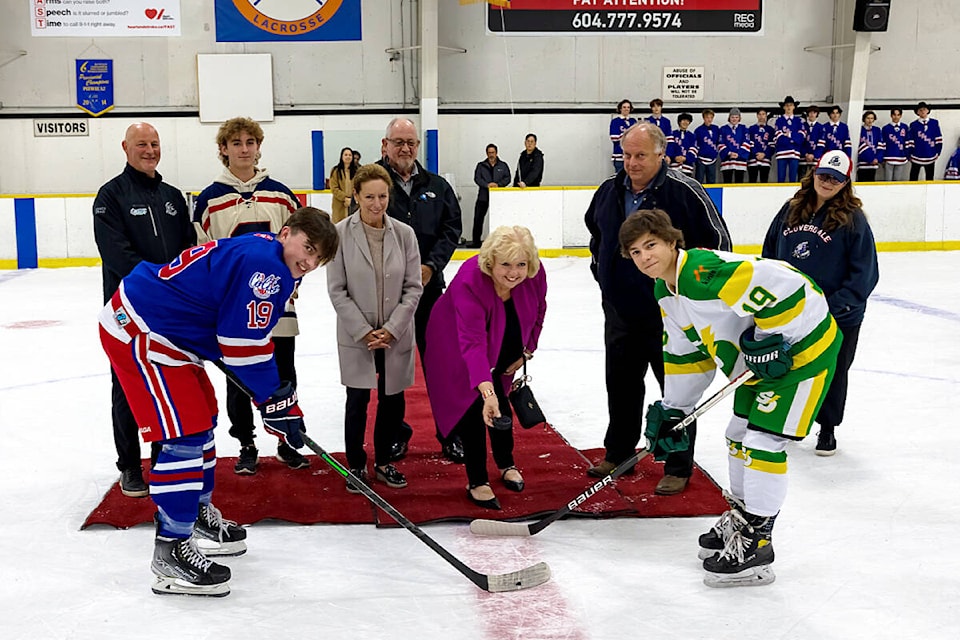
{"points": [[282, 417], [768, 358], [662, 439]]}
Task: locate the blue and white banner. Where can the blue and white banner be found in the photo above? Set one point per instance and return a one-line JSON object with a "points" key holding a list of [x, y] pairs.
{"points": [[287, 20], [95, 86]]}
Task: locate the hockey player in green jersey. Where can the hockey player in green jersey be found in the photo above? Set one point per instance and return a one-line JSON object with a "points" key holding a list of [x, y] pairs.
{"points": [[736, 312]]}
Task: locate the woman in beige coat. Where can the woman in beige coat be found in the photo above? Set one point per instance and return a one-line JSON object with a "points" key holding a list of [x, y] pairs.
{"points": [[341, 184], [374, 283]]}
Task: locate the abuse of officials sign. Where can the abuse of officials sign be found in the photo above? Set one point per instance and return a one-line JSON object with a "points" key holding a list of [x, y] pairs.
{"points": [[628, 17], [682, 84]]}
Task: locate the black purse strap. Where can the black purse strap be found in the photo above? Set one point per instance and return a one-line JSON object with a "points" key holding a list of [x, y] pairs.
{"points": [[522, 380]]}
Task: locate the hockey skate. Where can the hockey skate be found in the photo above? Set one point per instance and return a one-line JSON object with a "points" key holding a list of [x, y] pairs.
{"points": [[182, 570], [215, 536], [746, 558], [712, 542]]}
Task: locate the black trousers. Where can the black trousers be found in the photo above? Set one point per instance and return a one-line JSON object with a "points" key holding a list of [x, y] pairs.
{"points": [[915, 171], [126, 434], [390, 411], [473, 433], [479, 214], [763, 172], [630, 350], [239, 407], [804, 169], [732, 176], [867, 174], [831, 411]]}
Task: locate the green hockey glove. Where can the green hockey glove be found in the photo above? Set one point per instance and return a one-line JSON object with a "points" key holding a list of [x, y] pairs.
{"points": [[662, 439], [768, 358]]}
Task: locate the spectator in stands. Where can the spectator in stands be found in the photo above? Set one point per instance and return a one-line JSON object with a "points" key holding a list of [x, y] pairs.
{"points": [[835, 134], [808, 151], [953, 165], [341, 184], [708, 147], [823, 232], [656, 117], [734, 148], [924, 143], [869, 151], [633, 329], [529, 171], [682, 146], [426, 202], [618, 124], [893, 140], [245, 199], [760, 137], [481, 332], [492, 172], [788, 141], [136, 217], [375, 284]]}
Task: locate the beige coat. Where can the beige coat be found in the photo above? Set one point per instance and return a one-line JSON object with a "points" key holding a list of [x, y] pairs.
{"points": [[340, 188], [353, 290]]}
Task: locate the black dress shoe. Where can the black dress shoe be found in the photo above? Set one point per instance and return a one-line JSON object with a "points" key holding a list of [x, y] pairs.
{"points": [[513, 485], [492, 503], [398, 451], [453, 451]]}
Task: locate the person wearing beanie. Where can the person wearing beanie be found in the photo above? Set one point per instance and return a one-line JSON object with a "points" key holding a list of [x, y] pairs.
{"points": [[734, 148]]}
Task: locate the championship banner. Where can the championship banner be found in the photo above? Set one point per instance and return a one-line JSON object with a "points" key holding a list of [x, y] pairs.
{"points": [[627, 17], [95, 86], [287, 20], [104, 18]]}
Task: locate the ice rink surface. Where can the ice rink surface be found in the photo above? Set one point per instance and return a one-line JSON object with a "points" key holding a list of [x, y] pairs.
{"points": [[863, 543]]}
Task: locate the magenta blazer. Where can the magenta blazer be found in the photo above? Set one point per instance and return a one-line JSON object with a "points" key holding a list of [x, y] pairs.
{"points": [[464, 334]]}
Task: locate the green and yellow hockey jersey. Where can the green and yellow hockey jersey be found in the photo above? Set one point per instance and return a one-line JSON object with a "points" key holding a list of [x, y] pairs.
{"points": [[720, 295]]}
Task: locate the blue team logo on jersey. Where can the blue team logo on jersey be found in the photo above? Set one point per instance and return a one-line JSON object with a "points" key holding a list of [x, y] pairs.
{"points": [[264, 286], [802, 251]]}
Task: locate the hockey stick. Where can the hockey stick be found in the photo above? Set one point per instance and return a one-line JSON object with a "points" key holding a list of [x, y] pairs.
{"points": [[526, 578], [498, 528]]}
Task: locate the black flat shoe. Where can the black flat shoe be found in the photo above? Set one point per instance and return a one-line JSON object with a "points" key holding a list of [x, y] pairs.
{"points": [[453, 451], [513, 485], [492, 503]]}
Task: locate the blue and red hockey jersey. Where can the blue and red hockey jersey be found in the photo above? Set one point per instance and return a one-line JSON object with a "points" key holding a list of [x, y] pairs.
{"points": [[734, 148], [789, 137], [835, 137], [924, 141], [682, 143], [760, 137], [215, 301], [617, 126]]}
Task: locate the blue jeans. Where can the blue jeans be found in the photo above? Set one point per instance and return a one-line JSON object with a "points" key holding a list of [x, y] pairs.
{"points": [[618, 165], [785, 167], [706, 173]]}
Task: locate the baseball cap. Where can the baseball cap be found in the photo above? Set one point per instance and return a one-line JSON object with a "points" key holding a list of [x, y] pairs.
{"points": [[835, 164]]}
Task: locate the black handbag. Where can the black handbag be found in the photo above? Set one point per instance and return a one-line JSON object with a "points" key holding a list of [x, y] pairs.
{"points": [[525, 406]]}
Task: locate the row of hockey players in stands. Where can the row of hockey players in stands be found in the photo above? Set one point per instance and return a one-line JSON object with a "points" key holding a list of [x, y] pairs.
{"points": [[795, 140]]}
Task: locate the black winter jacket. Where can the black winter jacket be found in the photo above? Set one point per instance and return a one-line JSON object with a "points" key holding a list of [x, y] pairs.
{"points": [[138, 218], [692, 212], [529, 169], [432, 209]]}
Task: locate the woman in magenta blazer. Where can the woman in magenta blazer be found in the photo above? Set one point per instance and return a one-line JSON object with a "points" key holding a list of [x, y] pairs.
{"points": [[481, 331]]}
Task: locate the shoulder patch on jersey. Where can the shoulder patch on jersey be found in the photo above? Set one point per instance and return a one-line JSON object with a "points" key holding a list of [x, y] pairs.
{"points": [[264, 286], [265, 236]]}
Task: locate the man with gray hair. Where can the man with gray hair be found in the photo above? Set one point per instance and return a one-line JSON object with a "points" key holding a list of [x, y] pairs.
{"points": [[136, 217], [426, 202], [633, 328]]}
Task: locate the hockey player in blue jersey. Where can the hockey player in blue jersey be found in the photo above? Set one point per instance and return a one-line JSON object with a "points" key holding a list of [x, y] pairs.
{"points": [[217, 301]]}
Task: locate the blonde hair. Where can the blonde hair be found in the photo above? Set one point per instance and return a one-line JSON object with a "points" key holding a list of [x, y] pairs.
{"points": [[512, 244]]}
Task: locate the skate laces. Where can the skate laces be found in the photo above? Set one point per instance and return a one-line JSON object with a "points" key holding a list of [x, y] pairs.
{"points": [[735, 547], [729, 522], [214, 520], [189, 552]]}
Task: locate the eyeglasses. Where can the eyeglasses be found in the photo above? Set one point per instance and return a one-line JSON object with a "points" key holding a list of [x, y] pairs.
{"points": [[403, 143], [823, 177]]}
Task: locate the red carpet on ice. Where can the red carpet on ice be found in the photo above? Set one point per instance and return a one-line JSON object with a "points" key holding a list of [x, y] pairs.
{"points": [[553, 470]]}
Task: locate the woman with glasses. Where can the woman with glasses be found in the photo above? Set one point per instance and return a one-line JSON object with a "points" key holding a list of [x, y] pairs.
{"points": [[823, 232]]}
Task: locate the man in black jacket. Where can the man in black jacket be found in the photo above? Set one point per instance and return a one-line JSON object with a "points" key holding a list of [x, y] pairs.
{"points": [[633, 329], [492, 172], [136, 217], [426, 202]]}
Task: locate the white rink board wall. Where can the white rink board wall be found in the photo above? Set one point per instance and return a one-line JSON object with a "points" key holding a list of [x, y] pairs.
{"points": [[907, 216]]}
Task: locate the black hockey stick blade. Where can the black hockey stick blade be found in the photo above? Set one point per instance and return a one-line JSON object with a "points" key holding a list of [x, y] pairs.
{"points": [[532, 576], [484, 527]]}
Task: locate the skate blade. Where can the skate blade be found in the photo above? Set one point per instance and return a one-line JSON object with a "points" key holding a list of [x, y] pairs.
{"points": [[165, 586], [221, 549], [754, 577]]}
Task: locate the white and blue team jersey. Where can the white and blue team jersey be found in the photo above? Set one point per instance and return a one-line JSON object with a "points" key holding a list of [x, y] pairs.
{"points": [[215, 301]]}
